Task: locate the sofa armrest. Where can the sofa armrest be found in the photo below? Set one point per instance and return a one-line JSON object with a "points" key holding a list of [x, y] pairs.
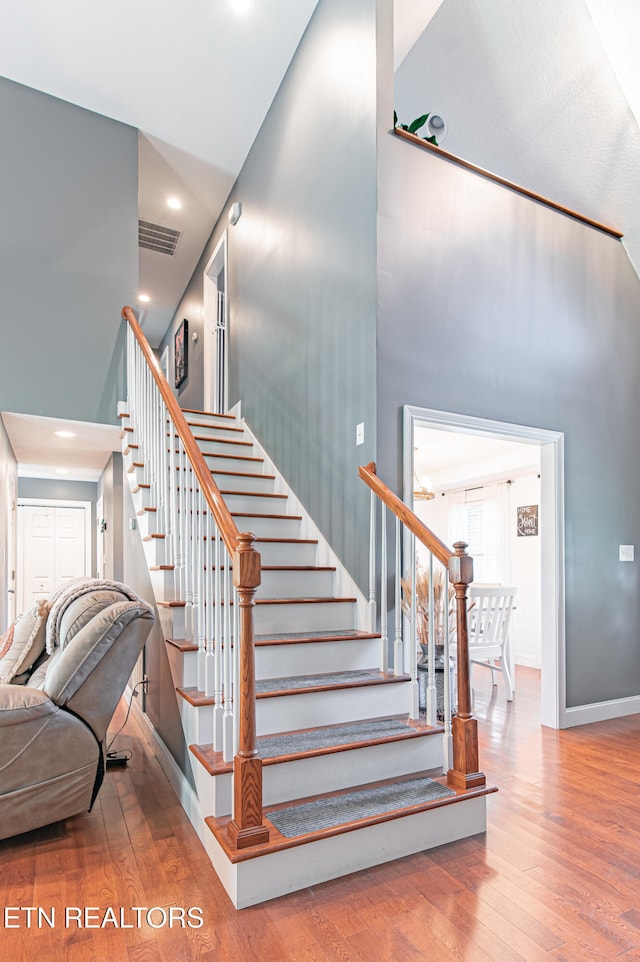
{"points": [[20, 704]]}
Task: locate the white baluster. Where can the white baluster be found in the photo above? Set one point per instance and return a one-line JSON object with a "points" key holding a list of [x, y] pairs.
{"points": [[447, 738], [210, 668], [218, 739], [398, 665], [372, 565], [414, 701], [188, 564], [202, 651], [384, 632], [432, 695], [228, 665]]}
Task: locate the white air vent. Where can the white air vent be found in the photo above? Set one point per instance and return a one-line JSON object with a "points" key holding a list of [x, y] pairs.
{"points": [[153, 237]]}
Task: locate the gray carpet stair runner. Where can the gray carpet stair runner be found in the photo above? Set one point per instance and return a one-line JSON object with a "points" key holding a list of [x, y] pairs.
{"points": [[269, 685], [316, 739], [353, 806]]}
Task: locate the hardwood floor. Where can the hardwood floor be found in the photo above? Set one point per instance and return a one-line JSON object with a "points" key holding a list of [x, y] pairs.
{"points": [[557, 876]]}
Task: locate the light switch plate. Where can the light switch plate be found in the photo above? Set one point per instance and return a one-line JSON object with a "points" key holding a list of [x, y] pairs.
{"points": [[626, 552], [360, 433]]}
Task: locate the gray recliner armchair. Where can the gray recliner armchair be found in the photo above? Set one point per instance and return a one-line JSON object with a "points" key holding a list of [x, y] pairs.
{"points": [[53, 728]]}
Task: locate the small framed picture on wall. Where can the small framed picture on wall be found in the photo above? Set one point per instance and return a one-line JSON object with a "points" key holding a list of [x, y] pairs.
{"points": [[180, 352]]}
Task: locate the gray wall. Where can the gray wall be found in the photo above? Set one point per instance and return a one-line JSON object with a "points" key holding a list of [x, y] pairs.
{"points": [[301, 279], [68, 255], [110, 486], [494, 306], [8, 530]]}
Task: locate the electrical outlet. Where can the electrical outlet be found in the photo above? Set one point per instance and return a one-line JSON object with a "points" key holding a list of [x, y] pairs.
{"points": [[360, 433]]}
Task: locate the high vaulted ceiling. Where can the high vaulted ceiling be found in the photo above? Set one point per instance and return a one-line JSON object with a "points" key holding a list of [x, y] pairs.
{"points": [[546, 94]]}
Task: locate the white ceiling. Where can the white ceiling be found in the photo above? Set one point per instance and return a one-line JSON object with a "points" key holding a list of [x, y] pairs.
{"points": [[451, 459], [41, 454]]}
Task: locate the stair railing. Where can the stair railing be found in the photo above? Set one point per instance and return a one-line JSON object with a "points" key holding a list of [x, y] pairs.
{"points": [[217, 570], [410, 607]]}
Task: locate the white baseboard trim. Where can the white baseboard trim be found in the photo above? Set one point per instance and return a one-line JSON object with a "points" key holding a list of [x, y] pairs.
{"points": [[185, 792], [527, 661], [601, 711]]}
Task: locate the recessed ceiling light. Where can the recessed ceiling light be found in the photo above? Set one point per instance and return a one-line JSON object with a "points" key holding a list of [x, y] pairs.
{"points": [[144, 298], [241, 6], [65, 434], [62, 470], [175, 203]]}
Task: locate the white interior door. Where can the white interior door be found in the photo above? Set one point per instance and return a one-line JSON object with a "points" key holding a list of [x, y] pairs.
{"points": [[216, 325], [53, 549]]}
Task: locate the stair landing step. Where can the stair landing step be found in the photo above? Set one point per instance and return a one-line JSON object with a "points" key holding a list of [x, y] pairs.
{"points": [[302, 637], [329, 681], [311, 742], [363, 803]]}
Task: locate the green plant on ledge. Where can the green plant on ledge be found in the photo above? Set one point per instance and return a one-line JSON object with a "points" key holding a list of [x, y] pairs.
{"points": [[415, 126]]}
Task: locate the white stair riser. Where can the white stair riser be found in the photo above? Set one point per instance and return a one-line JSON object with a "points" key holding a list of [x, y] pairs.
{"points": [[154, 550], [255, 503], [286, 553], [136, 476], [197, 722], [282, 713], [261, 484], [234, 463], [164, 585], [256, 880], [331, 616], [183, 666], [149, 522], [213, 419], [296, 584], [226, 445], [173, 621], [332, 772], [269, 527], [314, 658], [142, 498]]}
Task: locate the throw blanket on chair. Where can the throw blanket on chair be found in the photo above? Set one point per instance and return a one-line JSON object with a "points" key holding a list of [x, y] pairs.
{"points": [[67, 593]]}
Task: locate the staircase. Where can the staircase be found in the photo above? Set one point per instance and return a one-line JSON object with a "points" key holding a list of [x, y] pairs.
{"points": [[306, 760]]}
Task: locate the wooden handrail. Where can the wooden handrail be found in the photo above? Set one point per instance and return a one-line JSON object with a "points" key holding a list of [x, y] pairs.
{"points": [[210, 491], [465, 772], [431, 541], [246, 827], [540, 198]]}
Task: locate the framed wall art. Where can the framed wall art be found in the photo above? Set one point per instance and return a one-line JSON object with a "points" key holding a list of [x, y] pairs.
{"points": [[181, 352]]}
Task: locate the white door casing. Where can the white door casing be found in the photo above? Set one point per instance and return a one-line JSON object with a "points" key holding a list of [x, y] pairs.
{"points": [[553, 695], [54, 546], [216, 330]]}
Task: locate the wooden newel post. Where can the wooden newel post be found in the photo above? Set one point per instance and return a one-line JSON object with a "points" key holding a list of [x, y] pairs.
{"points": [[464, 773], [246, 827]]}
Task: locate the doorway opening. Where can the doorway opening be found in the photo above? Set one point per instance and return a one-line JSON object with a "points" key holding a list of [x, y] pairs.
{"points": [[216, 329], [457, 471]]}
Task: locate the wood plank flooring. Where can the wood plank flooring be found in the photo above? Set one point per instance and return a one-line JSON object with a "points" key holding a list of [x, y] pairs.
{"points": [[557, 876]]}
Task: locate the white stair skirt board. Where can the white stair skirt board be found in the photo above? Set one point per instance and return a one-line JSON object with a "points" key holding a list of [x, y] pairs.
{"points": [[315, 657], [269, 876], [312, 709]]}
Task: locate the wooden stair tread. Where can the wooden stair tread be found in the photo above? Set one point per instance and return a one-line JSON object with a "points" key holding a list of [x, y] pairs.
{"points": [[209, 414], [171, 604], [207, 424], [243, 474], [329, 681], [297, 568], [256, 494], [150, 537], [200, 437], [213, 762], [278, 842], [162, 567], [304, 601], [232, 457], [276, 517], [286, 540], [302, 637], [196, 697], [182, 644]]}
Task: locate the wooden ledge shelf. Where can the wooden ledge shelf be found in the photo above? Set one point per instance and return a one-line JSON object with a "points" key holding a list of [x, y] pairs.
{"points": [[414, 139]]}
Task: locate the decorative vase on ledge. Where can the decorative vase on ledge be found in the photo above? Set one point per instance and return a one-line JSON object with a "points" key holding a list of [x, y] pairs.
{"points": [[423, 680]]}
